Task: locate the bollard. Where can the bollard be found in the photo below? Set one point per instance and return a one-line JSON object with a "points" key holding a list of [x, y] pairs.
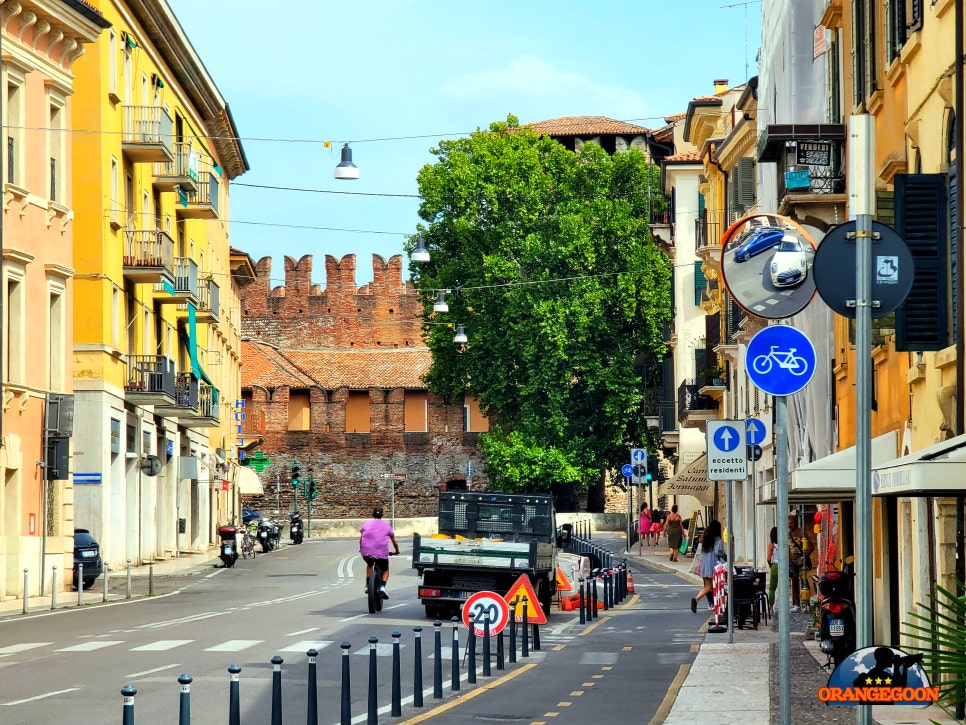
{"points": [[312, 708], [53, 588], [128, 596], [151, 580], [606, 591], [26, 606], [234, 697], [513, 631], [80, 585], [499, 652], [536, 638], [127, 713], [396, 704], [593, 606], [471, 649], [588, 600], [277, 690], [580, 601], [525, 647], [455, 683], [106, 575], [437, 660], [373, 715], [417, 667], [184, 710], [486, 646], [346, 715]]}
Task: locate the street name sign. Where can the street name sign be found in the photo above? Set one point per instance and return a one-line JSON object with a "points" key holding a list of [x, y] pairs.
{"points": [[726, 450]]}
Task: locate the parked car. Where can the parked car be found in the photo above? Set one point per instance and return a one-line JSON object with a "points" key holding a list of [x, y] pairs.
{"points": [[249, 515], [789, 265], [87, 552], [757, 240]]}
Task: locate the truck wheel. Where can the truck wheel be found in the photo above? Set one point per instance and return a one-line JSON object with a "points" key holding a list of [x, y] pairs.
{"points": [[434, 611], [544, 596]]}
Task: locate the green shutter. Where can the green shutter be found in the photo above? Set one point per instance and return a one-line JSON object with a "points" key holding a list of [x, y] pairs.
{"points": [[700, 203], [921, 213], [700, 283]]}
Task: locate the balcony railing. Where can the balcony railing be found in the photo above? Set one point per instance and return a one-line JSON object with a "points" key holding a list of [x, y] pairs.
{"points": [[208, 413], [186, 390], [208, 300], [148, 255], [690, 400], [203, 202], [147, 134], [707, 233], [182, 171], [150, 379]]}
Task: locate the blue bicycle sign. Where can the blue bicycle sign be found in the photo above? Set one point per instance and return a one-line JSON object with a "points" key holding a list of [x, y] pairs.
{"points": [[780, 360]]}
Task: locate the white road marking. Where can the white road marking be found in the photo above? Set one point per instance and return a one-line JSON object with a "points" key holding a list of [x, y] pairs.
{"points": [[234, 645], [383, 649], [349, 619], [397, 606], [301, 631], [345, 567], [41, 697], [161, 645], [306, 644], [89, 646], [151, 672], [181, 620], [22, 647]]}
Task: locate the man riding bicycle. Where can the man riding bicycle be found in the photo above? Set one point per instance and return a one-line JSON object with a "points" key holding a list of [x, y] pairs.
{"points": [[374, 538]]}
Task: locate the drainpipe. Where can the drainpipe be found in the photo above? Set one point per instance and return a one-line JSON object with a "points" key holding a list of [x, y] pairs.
{"points": [[960, 288]]}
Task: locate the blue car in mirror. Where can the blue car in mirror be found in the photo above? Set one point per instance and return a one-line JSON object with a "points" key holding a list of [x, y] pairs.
{"points": [[758, 240]]}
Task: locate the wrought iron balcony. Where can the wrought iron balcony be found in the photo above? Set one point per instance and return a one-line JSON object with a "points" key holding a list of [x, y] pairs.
{"points": [[208, 414], [185, 402], [184, 286], [150, 380], [694, 408], [147, 135], [202, 203], [208, 300], [181, 172], [148, 256]]}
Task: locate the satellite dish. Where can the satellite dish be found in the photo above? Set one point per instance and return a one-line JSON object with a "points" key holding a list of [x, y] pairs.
{"points": [[150, 466]]}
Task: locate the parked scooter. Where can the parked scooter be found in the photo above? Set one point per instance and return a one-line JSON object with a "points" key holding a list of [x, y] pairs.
{"points": [[837, 622], [295, 528], [265, 537], [229, 545], [276, 533]]}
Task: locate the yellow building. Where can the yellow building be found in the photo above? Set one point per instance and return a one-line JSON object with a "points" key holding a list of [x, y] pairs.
{"points": [[156, 325]]}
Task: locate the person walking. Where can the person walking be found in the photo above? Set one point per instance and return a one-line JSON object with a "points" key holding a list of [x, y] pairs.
{"points": [[375, 535], [712, 552], [772, 558], [796, 559], [644, 525], [674, 529]]}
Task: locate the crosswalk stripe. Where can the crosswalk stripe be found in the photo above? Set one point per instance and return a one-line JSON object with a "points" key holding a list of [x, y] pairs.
{"points": [[161, 645], [89, 646], [22, 647], [234, 645], [306, 644]]}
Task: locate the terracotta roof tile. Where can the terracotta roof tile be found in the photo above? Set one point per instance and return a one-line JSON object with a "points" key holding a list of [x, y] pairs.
{"points": [[675, 117], [586, 126], [707, 98], [683, 157], [266, 365]]}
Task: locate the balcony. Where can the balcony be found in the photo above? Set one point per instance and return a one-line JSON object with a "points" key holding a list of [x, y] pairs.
{"points": [[695, 409], [148, 256], [150, 380], [251, 428], [707, 243], [713, 386], [208, 414], [670, 434], [185, 401], [181, 172], [147, 134], [184, 286], [203, 202], [207, 308], [661, 227]]}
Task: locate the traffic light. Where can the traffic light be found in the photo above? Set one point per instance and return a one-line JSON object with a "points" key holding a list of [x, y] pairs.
{"points": [[295, 474], [311, 488], [653, 471]]}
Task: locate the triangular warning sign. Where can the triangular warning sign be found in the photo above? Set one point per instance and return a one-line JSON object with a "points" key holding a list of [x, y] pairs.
{"points": [[523, 588], [563, 583]]}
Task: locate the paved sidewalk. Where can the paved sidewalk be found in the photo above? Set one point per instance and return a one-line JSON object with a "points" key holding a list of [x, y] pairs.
{"points": [[732, 683]]}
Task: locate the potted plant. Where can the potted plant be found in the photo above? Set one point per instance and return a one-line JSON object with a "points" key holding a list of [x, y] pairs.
{"points": [[714, 375]]}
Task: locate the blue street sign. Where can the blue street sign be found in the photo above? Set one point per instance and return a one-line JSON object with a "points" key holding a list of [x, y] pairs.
{"points": [[627, 470], [755, 431], [780, 360], [726, 454], [726, 438], [638, 455]]}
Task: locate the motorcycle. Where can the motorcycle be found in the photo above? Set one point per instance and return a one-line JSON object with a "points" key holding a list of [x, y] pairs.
{"points": [[837, 621], [295, 528], [228, 550], [265, 537]]}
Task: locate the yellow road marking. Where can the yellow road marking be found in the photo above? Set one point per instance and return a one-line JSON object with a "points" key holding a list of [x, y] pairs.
{"points": [[576, 693], [597, 677], [468, 696], [559, 647], [695, 647], [672, 692], [564, 704], [551, 714], [626, 649], [587, 684], [589, 629], [606, 668]]}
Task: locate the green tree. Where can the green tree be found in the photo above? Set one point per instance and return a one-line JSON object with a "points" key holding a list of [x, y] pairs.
{"points": [[562, 291]]}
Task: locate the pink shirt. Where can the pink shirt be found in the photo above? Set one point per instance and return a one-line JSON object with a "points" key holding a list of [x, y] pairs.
{"points": [[376, 534]]}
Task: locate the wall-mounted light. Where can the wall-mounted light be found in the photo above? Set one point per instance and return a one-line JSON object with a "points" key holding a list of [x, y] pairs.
{"points": [[440, 304], [460, 338], [346, 169], [420, 254]]}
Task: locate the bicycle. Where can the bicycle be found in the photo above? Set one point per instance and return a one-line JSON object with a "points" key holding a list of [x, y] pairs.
{"points": [[248, 542], [786, 359], [374, 584]]}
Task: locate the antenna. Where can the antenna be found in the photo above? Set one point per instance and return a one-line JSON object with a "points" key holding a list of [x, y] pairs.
{"points": [[745, 5]]}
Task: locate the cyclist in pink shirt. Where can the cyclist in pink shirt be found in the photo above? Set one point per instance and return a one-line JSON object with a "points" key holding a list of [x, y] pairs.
{"points": [[375, 536]]}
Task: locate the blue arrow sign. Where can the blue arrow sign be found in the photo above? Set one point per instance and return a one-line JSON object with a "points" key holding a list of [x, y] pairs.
{"points": [[627, 470], [726, 438], [780, 360], [638, 455], [755, 431]]}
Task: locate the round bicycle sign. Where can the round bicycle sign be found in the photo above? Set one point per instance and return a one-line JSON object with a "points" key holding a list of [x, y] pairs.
{"points": [[780, 360], [482, 606]]}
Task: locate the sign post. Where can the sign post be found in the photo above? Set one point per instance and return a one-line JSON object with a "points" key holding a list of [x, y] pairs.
{"points": [[755, 430]]}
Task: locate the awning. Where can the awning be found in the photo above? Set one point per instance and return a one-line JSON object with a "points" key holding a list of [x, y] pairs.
{"points": [[939, 470], [692, 481], [831, 478], [249, 484]]}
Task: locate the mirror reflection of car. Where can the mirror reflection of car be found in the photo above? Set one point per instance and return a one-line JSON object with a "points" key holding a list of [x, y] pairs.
{"points": [[789, 265], [759, 239]]}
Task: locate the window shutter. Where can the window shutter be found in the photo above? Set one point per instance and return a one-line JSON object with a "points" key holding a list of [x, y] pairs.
{"points": [[746, 182], [700, 204], [954, 303], [921, 214], [700, 283]]}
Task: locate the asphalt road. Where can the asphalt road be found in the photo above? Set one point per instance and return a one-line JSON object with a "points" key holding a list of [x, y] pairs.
{"points": [[69, 666]]}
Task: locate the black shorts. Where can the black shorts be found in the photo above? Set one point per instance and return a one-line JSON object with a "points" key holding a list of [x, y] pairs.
{"points": [[381, 563]]}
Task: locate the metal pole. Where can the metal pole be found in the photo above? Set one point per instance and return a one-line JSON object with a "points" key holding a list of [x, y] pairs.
{"points": [[26, 593], [128, 578], [277, 690], [754, 516], [455, 682], [184, 709], [308, 522], [580, 601], [437, 660], [127, 713], [107, 574], [396, 698], [373, 709], [80, 585], [513, 630], [862, 204], [53, 588], [151, 580], [471, 649], [500, 658], [312, 707], [729, 519], [486, 646], [525, 646], [417, 667], [960, 320], [782, 600]]}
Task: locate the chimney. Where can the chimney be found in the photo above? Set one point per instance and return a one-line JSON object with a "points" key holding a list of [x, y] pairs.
{"points": [[720, 85]]}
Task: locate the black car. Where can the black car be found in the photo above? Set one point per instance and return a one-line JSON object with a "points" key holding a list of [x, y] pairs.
{"points": [[87, 552], [249, 515]]}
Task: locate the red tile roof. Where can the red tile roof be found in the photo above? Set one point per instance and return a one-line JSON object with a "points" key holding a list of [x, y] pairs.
{"points": [[586, 126], [266, 365], [683, 157], [675, 117], [707, 98]]}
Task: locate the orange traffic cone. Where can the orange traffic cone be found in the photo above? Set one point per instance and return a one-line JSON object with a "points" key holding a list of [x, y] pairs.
{"points": [[630, 582]]}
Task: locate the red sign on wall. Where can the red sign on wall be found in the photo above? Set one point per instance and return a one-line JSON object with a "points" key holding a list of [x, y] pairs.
{"points": [[224, 485]]}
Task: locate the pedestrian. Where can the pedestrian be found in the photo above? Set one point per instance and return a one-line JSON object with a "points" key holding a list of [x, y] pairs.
{"points": [[712, 552], [772, 558], [796, 559], [674, 529], [644, 525], [657, 523]]}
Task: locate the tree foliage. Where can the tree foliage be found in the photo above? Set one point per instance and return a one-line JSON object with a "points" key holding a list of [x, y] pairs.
{"points": [[552, 270]]}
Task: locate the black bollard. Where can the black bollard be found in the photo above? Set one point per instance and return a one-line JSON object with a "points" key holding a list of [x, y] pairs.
{"points": [[500, 664], [234, 697], [277, 690], [486, 646], [437, 661], [606, 591], [593, 605], [417, 667], [455, 684], [127, 713], [184, 709], [513, 630], [312, 708], [396, 702], [373, 714], [525, 647], [346, 711], [536, 638], [583, 619], [471, 649]]}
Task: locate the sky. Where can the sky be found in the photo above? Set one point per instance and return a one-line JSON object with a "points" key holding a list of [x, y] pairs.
{"points": [[394, 78]]}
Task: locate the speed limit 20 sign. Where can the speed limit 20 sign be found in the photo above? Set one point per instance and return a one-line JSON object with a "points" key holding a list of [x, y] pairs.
{"points": [[486, 605]]}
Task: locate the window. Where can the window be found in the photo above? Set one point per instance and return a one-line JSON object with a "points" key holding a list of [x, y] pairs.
{"points": [[128, 75], [115, 318], [112, 62], [15, 312], [416, 417], [357, 412], [700, 283], [56, 332], [299, 410], [14, 123], [473, 420]]}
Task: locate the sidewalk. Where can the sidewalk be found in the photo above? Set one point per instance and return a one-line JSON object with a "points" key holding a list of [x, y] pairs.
{"points": [[161, 577], [740, 681]]}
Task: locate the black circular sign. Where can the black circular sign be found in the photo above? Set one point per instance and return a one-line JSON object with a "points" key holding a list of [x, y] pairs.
{"points": [[151, 466], [835, 263]]}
